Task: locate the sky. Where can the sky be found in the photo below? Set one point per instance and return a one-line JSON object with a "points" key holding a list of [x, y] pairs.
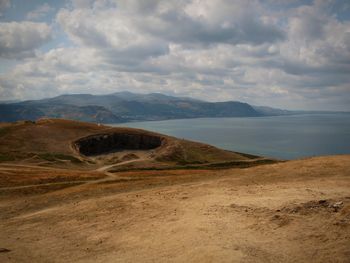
{"points": [[290, 54]]}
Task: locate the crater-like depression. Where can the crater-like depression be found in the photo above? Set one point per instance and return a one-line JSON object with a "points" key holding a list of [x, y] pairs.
{"points": [[114, 142]]}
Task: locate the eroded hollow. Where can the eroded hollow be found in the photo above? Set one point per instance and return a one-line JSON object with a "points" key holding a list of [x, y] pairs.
{"points": [[114, 142]]}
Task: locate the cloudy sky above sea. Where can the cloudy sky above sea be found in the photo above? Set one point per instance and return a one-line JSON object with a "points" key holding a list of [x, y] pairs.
{"points": [[280, 53]]}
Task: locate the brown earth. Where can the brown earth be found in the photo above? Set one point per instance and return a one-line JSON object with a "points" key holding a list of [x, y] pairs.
{"points": [[296, 211], [65, 143], [146, 197]]}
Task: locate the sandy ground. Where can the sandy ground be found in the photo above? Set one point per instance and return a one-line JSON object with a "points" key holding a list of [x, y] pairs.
{"points": [[298, 211]]}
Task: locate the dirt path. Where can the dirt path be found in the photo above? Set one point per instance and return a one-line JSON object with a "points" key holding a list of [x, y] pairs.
{"points": [[43, 185], [107, 167], [11, 166], [104, 169], [112, 176], [289, 212]]}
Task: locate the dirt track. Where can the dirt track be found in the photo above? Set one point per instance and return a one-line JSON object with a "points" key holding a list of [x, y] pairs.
{"points": [[297, 211]]}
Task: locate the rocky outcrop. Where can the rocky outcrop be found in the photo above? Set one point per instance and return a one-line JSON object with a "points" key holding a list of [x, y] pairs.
{"points": [[114, 142]]}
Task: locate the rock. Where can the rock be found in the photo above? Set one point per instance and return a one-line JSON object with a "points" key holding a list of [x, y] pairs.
{"points": [[338, 204]]}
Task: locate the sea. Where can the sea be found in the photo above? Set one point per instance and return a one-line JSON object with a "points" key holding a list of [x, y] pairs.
{"points": [[283, 137]]}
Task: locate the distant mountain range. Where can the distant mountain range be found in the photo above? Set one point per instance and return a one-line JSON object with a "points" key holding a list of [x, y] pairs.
{"points": [[126, 106]]}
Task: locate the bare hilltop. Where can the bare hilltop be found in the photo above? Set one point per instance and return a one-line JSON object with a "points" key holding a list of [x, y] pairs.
{"points": [[81, 192]]}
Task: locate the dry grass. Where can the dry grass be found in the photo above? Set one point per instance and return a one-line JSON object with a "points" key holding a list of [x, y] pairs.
{"points": [[58, 206], [297, 211], [50, 142], [17, 175]]}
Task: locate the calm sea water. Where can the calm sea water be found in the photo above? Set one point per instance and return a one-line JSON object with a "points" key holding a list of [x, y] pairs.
{"points": [[285, 137]]}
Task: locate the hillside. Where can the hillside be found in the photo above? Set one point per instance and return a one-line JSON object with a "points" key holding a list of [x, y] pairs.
{"points": [[81, 192], [296, 211], [122, 107], [65, 143]]}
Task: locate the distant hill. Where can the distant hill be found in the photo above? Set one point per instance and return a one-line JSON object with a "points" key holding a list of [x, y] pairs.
{"points": [[268, 111], [126, 106], [22, 111], [122, 107]]}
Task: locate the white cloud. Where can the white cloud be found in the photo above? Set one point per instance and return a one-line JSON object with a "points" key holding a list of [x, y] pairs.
{"points": [[318, 43], [110, 32], [21, 39]]}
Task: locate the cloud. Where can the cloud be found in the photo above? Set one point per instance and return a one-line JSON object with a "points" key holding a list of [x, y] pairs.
{"points": [[272, 52], [48, 74], [181, 22], [132, 33], [21, 39], [114, 36], [40, 12], [318, 43], [222, 21]]}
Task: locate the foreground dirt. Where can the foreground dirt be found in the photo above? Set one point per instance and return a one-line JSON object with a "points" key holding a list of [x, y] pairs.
{"points": [[297, 211]]}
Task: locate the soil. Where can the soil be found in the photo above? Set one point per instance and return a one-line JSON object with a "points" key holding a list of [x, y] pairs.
{"points": [[295, 211], [78, 145]]}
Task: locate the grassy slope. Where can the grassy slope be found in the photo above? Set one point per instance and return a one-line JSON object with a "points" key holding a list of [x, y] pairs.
{"points": [[50, 141]]}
